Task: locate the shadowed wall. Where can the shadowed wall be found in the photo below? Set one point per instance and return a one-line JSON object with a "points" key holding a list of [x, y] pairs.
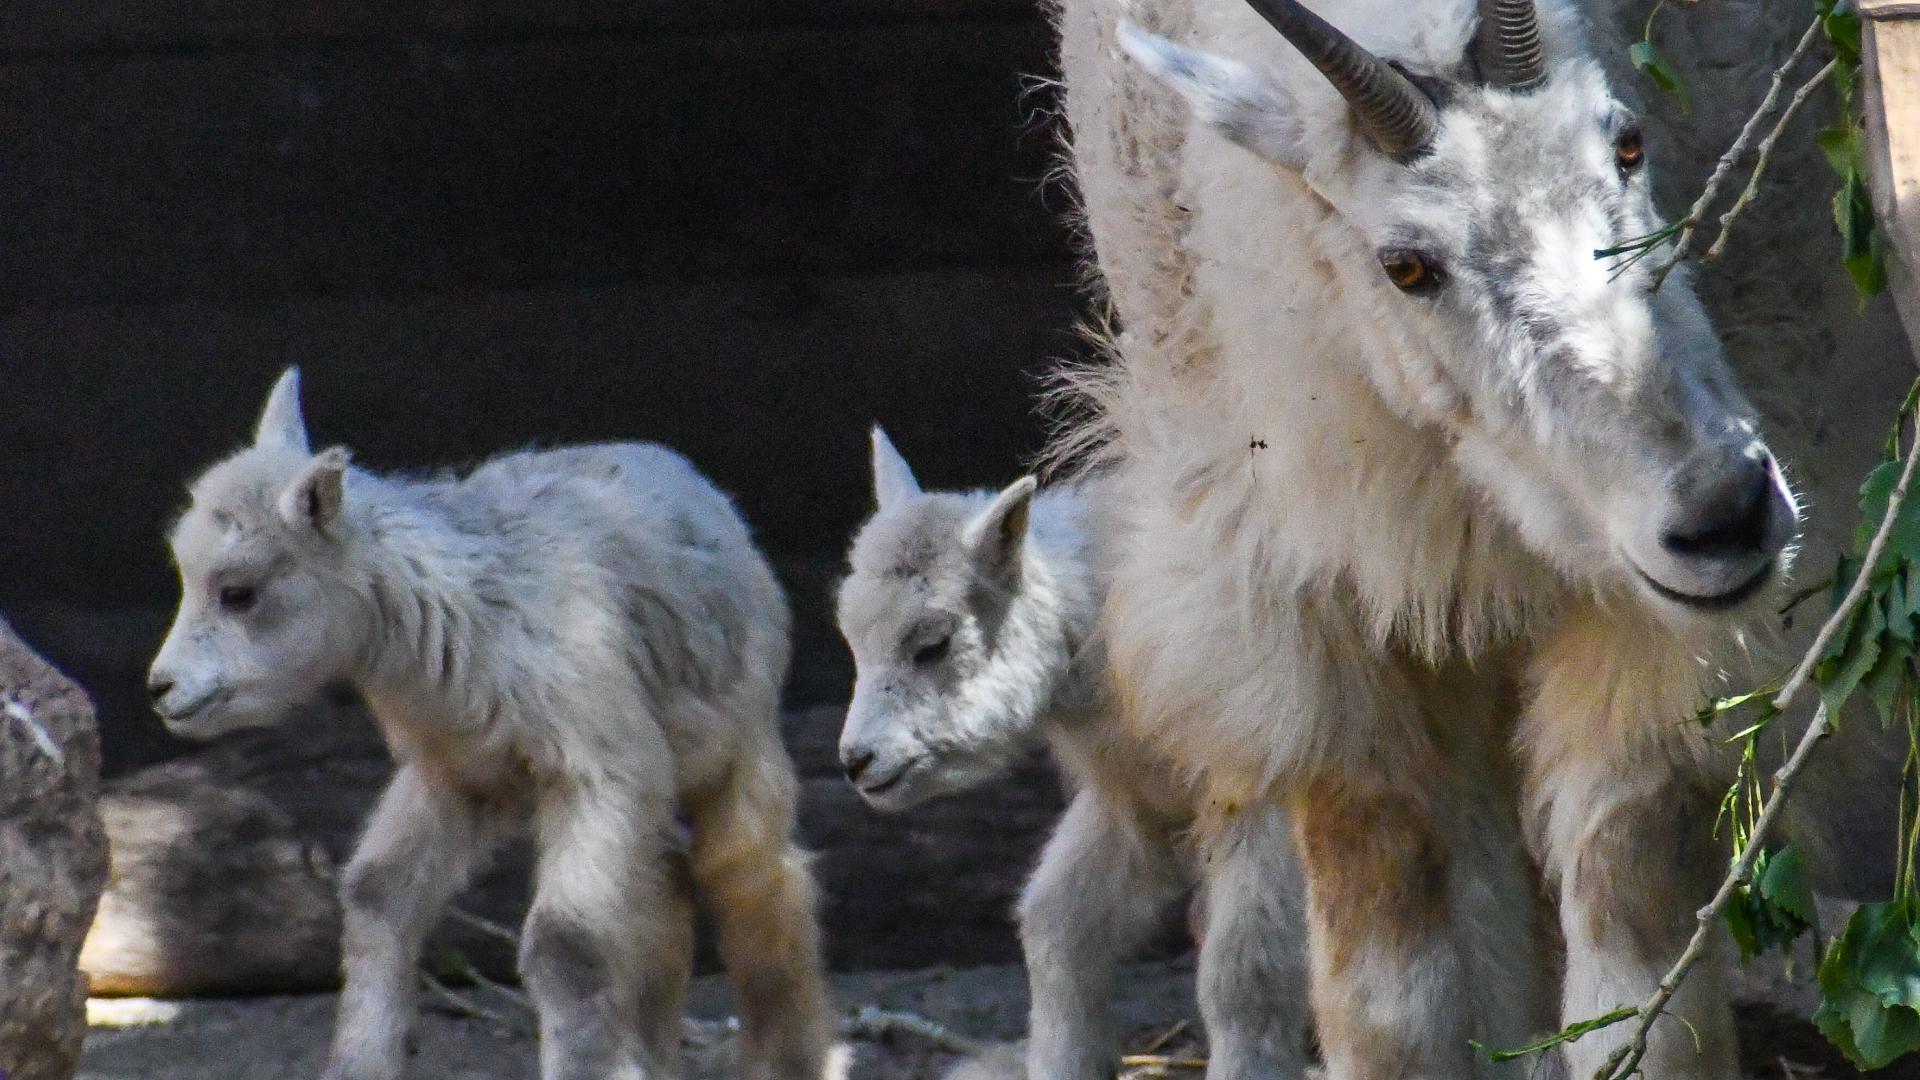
{"points": [[744, 229]]}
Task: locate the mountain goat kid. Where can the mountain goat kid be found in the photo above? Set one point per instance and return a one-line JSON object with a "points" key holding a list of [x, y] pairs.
{"points": [[585, 636], [972, 622]]}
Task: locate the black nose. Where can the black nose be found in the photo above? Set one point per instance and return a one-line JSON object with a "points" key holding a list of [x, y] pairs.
{"points": [[1727, 515], [157, 687], [856, 764]]}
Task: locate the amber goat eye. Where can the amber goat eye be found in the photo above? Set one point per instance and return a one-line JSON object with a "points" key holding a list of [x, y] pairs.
{"points": [[1627, 150], [1412, 271]]}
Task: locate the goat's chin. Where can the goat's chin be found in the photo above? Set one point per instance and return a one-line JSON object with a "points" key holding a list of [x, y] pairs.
{"points": [[1721, 602], [925, 780], [213, 723]]}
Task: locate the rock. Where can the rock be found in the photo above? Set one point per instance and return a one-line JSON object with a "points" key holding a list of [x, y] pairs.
{"points": [[53, 862]]}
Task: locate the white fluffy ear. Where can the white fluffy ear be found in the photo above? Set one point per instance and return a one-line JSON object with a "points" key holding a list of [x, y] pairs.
{"points": [[313, 499], [995, 536], [280, 422], [892, 477], [1230, 96]]}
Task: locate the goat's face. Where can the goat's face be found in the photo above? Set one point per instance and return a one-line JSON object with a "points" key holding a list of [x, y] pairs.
{"points": [[263, 623], [1594, 410], [946, 693]]}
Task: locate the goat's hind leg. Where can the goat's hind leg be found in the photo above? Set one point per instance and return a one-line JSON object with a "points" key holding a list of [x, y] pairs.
{"points": [[607, 945], [419, 848], [756, 884], [1102, 885]]}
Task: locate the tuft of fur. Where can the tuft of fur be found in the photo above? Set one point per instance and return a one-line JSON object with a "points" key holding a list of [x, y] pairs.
{"points": [[973, 623], [584, 638]]}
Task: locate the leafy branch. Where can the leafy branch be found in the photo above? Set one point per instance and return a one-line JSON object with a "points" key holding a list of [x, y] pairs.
{"points": [[1683, 230], [1764, 156]]}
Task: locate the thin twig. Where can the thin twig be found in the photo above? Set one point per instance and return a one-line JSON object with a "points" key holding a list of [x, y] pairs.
{"points": [[1161, 1061], [472, 974], [1159, 1042], [1625, 1060], [461, 1005], [1764, 156], [871, 1022], [1721, 169], [484, 925]]}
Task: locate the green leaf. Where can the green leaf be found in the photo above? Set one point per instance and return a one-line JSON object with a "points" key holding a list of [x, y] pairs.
{"points": [[1718, 706], [1649, 60], [1869, 986], [1775, 908], [1842, 674], [1862, 249], [1904, 542], [1784, 885], [1888, 676], [1842, 27], [1899, 605], [1739, 916], [1566, 1034], [1868, 269], [1841, 145]]}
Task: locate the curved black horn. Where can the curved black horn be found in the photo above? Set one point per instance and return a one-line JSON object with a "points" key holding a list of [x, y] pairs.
{"points": [[1507, 45], [1397, 116]]}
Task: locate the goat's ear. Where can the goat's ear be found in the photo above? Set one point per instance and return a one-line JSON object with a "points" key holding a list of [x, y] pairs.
{"points": [[893, 479], [996, 534], [280, 422], [313, 500], [1231, 97]]}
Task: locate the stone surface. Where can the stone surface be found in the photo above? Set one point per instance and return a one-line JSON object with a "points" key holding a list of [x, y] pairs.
{"points": [[53, 861]]}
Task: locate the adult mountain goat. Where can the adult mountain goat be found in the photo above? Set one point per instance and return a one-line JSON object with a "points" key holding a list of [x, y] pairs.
{"points": [[584, 636], [1432, 523], [973, 621]]}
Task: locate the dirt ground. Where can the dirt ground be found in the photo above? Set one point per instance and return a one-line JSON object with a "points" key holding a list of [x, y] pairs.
{"points": [[284, 1038]]}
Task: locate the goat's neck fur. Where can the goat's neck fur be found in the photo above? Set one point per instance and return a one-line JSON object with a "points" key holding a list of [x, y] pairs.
{"points": [[431, 600], [1061, 590]]}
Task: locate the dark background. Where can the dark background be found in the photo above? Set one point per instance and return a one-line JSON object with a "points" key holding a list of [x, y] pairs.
{"points": [[744, 228]]}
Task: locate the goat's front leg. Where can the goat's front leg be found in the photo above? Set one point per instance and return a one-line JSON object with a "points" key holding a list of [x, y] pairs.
{"points": [[1390, 981], [1253, 957], [1621, 814], [1103, 883], [420, 847]]}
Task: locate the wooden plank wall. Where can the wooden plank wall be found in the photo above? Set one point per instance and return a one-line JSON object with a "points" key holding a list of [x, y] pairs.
{"points": [[747, 228]]}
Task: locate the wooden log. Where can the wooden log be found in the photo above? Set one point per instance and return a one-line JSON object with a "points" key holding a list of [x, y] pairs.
{"points": [[1890, 51]]}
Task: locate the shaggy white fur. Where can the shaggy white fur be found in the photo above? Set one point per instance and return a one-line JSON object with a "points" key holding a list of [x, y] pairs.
{"points": [[1443, 566], [972, 620], [585, 637]]}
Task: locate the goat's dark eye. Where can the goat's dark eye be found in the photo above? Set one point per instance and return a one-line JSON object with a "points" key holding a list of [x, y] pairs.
{"points": [[237, 599], [933, 653], [1627, 150], [1412, 271]]}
